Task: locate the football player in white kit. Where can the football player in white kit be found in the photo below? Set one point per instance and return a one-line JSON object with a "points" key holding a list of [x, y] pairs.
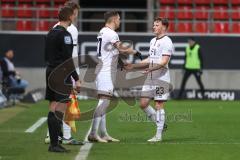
{"points": [[108, 48], [72, 29], [157, 83]]}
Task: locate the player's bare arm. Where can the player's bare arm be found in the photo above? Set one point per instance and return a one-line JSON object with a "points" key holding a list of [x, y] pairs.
{"points": [[127, 50], [123, 49], [142, 64], [162, 64]]}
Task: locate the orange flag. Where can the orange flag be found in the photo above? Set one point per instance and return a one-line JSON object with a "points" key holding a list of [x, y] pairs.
{"points": [[73, 112]]}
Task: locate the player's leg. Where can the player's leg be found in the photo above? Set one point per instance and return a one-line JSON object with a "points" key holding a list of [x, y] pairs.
{"points": [[52, 106], [150, 111], [104, 85], [199, 81], [102, 105], [55, 118], [146, 94], [161, 95], [67, 136], [147, 108], [103, 127], [184, 81], [160, 121], [66, 131]]}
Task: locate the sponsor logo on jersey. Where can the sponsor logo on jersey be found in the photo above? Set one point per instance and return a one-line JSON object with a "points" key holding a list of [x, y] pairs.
{"points": [[67, 40]]}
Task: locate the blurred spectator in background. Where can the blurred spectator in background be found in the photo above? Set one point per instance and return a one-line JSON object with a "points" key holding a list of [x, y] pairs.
{"points": [[9, 74], [193, 65]]}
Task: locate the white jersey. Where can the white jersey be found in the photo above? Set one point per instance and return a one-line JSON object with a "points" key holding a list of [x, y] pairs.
{"points": [[74, 33], [160, 47], [107, 53]]}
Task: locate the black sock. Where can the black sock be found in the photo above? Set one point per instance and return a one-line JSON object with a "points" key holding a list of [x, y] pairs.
{"points": [[53, 126], [59, 116]]}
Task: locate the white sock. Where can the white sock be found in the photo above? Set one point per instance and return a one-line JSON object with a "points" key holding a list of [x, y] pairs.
{"points": [[160, 119], [151, 113], [47, 133], [103, 128], [66, 131], [100, 110], [95, 125]]}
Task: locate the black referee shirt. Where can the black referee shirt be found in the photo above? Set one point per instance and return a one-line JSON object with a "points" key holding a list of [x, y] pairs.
{"points": [[59, 47]]}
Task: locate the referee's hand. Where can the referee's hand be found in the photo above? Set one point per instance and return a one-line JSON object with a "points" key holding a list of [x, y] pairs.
{"points": [[77, 86]]}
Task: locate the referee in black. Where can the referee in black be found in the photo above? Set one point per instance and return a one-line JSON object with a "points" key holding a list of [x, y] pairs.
{"points": [[58, 51]]}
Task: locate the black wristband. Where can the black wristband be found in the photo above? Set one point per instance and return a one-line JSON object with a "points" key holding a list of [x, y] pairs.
{"points": [[139, 55]]}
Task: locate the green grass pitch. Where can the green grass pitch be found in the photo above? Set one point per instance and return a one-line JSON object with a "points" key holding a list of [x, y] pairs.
{"points": [[199, 130]]}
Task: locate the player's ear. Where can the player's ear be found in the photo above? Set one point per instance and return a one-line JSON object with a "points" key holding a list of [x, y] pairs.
{"points": [[70, 20]]}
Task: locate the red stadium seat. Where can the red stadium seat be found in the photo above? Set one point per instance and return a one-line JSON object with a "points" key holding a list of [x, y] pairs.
{"points": [[237, 2], [166, 1], [42, 25], [55, 11], [171, 27], [201, 1], [220, 12], [24, 25], [201, 12], [60, 1], [184, 1], [184, 27], [201, 27], [43, 11], [236, 27], [7, 1], [185, 12], [220, 1], [167, 12], [220, 27], [24, 10], [42, 1], [235, 13], [20, 1], [7, 10]]}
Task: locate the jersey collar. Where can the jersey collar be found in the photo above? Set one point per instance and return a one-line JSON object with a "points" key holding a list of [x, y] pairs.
{"points": [[160, 37], [60, 27]]}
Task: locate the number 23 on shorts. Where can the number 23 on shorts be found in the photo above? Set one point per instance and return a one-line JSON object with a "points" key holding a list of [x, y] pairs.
{"points": [[159, 91]]}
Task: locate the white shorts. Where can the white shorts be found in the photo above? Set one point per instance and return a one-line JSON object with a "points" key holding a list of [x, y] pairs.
{"points": [[157, 91], [105, 83]]}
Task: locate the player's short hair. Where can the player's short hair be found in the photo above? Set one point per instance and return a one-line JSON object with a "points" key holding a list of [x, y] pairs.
{"points": [[72, 5], [108, 15], [64, 13], [163, 20]]}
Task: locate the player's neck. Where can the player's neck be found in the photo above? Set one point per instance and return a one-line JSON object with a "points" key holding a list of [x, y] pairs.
{"points": [[160, 35], [64, 24], [110, 26]]}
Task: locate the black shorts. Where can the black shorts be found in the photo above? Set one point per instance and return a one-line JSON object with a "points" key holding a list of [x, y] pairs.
{"points": [[53, 95]]}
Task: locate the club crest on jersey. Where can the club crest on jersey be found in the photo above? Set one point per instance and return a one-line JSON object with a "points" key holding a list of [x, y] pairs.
{"points": [[67, 40]]}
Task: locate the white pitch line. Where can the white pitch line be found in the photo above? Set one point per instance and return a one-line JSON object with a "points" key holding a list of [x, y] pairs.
{"points": [[85, 149], [36, 125]]}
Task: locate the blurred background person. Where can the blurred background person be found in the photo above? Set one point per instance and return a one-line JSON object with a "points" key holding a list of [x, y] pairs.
{"points": [[193, 65], [10, 75]]}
